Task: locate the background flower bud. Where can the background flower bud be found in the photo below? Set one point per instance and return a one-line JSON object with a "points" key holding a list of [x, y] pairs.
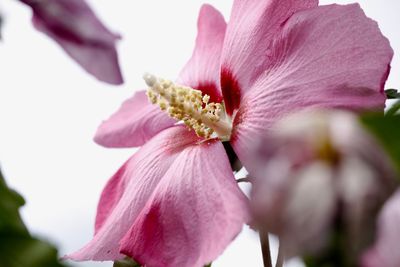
{"points": [[318, 182]]}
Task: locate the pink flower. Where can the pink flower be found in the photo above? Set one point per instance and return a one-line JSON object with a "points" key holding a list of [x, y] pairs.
{"points": [[75, 27], [320, 175], [175, 202], [385, 251]]}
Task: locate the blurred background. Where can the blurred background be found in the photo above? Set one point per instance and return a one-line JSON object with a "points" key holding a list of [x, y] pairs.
{"points": [[50, 109]]}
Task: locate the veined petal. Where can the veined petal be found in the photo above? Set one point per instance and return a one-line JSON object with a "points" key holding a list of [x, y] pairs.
{"points": [[202, 70], [194, 213], [112, 193], [136, 122], [247, 48], [75, 27], [385, 250], [129, 190], [327, 57]]}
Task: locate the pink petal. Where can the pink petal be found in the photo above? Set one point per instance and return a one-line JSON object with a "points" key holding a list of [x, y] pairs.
{"points": [[112, 193], [253, 26], [327, 57], [202, 70], [136, 122], [385, 252], [75, 27], [128, 191], [194, 213]]}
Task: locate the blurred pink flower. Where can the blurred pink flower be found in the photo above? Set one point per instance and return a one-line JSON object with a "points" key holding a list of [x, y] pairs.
{"points": [[175, 202], [319, 175], [385, 251], [75, 27]]}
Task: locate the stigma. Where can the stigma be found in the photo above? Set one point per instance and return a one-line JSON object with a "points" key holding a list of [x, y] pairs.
{"points": [[190, 106]]}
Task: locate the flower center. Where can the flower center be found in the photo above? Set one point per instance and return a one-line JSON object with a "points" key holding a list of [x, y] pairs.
{"points": [[190, 106]]}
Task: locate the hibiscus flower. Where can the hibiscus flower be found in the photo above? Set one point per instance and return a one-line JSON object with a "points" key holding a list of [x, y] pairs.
{"points": [[321, 178], [176, 202], [75, 27]]}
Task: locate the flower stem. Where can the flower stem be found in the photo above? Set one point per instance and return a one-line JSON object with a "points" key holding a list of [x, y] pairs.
{"points": [[281, 258], [264, 240], [243, 180]]}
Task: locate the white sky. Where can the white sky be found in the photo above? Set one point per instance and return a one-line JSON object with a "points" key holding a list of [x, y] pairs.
{"points": [[50, 109]]}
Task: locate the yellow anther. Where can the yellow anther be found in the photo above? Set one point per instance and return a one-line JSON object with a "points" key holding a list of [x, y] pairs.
{"points": [[163, 105], [189, 106], [206, 98], [173, 100]]}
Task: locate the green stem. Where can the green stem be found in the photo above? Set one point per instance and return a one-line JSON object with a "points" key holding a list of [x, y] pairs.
{"points": [[281, 257], [266, 252]]}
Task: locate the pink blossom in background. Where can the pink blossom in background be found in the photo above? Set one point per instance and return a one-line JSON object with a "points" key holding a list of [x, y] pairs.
{"points": [[75, 27], [317, 170], [175, 202], [385, 251]]}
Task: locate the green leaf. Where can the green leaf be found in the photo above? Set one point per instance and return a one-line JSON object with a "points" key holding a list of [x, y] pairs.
{"points": [[387, 131], [126, 262], [18, 251], [393, 109], [392, 93], [17, 247], [10, 202]]}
